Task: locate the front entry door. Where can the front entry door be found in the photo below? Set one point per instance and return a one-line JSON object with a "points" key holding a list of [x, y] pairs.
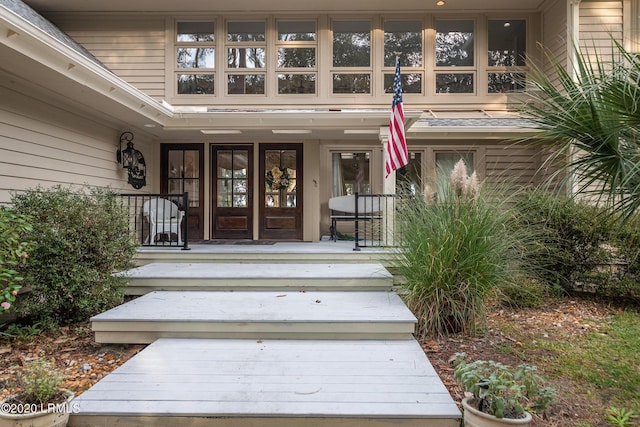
{"points": [[182, 168], [281, 191], [232, 192]]}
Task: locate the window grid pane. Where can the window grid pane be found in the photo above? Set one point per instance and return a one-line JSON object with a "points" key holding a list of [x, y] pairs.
{"points": [[507, 43], [245, 84], [352, 44], [506, 82], [296, 57], [411, 82], [351, 83], [195, 57], [454, 83], [195, 32], [296, 83], [246, 57], [404, 37], [246, 32], [291, 31], [195, 84], [454, 43]]}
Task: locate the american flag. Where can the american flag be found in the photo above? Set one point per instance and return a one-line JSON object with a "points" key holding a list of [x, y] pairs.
{"points": [[397, 155]]}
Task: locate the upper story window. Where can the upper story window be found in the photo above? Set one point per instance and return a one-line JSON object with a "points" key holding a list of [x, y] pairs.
{"points": [[246, 58], [302, 57], [455, 50], [507, 41], [404, 40], [296, 64], [195, 58], [351, 56]]}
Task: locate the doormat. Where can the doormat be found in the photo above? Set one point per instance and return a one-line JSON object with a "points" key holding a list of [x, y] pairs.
{"points": [[233, 242]]}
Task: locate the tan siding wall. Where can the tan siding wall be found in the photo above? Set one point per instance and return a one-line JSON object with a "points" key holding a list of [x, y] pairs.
{"points": [[41, 145], [599, 21], [554, 30], [517, 165], [133, 48]]}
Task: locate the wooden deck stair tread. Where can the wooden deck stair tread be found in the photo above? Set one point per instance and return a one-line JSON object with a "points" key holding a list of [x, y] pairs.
{"points": [[259, 271], [235, 276], [272, 379], [295, 347], [256, 314]]}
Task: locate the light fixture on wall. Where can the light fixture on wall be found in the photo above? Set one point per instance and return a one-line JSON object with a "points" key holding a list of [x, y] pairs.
{"points": [[440, 3], [133, 161]]}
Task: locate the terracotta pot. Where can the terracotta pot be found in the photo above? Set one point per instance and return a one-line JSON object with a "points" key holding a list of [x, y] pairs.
{"points": [[475, 418], [48, 416]]}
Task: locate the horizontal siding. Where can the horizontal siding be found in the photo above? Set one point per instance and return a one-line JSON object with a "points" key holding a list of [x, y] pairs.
{"points": [[599, 21], [134, 49], [517, 165], [554, 30], [42, 145]]}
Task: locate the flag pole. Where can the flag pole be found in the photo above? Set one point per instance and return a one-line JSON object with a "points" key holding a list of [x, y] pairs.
{"points": [[395, 155]]}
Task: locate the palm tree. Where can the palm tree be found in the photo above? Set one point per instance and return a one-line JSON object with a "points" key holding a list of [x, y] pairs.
{"points": [[590, 115]]}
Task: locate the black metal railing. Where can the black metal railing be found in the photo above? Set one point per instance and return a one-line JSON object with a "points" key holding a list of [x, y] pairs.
{"points": [[374, 220], [158, 219]]}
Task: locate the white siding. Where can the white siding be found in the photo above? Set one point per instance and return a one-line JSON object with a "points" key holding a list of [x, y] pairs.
{"points": [[42, 145], [133, 48]]}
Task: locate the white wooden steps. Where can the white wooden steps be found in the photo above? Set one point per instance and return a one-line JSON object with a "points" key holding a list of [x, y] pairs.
{"points": [[257, 276], [265, 345], [225, 383], [256, 315]]}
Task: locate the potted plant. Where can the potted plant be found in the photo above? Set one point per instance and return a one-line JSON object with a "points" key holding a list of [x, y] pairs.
{"points": [[41, 402], [497, 394]]}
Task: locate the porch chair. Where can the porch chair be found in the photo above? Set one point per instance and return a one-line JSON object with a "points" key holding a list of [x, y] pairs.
{"points": [[164, 218], [343, 208]]}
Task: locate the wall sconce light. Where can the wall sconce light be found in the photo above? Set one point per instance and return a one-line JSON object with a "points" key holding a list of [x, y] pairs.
{"points": [[132, 160]]}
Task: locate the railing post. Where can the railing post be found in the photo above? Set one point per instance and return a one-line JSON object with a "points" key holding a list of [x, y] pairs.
{"points": [[185, 235], [357, 224]]}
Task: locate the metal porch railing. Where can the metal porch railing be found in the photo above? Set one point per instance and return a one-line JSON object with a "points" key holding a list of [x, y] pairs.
{"points": [[158, 220], [375, 220]]}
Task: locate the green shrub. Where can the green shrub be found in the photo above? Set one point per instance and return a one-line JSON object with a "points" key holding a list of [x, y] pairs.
{"points": [[571, 237], [81, 239], [14, 252], [454, 252]]}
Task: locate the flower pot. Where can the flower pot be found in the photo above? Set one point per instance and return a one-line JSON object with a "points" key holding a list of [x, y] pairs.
{"points": [[39, 416], [475, 418]]}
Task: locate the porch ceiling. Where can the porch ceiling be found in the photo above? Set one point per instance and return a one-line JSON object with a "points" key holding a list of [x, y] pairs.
{"points": [[271, 6]]}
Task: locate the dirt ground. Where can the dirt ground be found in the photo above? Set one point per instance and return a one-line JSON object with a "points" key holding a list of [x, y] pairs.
{"points": [[84, 362]]}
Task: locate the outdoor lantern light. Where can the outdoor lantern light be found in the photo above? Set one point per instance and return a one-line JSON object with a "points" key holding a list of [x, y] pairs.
{"points": [[132, 160]]}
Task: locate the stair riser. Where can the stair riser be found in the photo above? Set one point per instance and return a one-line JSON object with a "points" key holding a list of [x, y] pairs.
{"points": [[143, 286]]}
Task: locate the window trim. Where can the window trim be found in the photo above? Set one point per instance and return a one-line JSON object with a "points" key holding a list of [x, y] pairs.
{"points": [[176, 71]]}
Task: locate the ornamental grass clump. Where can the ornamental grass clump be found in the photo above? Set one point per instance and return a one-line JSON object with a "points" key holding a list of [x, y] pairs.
{"points": [[456, 248]]}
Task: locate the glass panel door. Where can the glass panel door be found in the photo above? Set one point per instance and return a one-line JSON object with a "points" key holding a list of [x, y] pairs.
{"points": [[181, 171], [281, 210], [232, 213]]}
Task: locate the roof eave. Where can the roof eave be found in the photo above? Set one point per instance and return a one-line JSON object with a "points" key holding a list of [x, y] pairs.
{"points": [[23, 37]]}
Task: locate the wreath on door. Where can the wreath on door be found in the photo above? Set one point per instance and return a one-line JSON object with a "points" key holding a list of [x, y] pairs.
{"points": [[278, 178]]}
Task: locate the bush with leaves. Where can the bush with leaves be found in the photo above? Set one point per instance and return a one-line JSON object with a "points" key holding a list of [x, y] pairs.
{"points": [[14, 252], [81, 239], [455, 250], [572, 235]]}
